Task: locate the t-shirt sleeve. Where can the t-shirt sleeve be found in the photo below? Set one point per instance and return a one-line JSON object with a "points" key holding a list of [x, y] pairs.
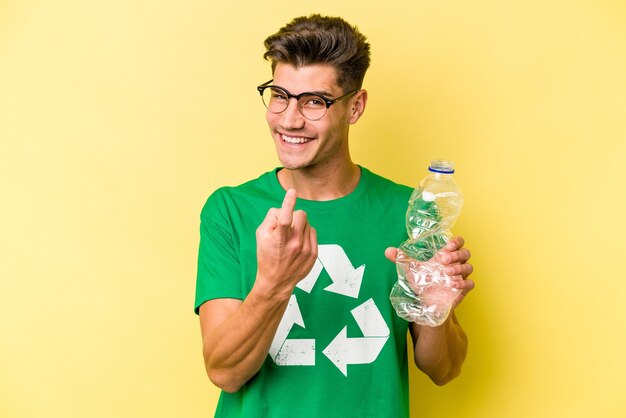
{"points": [[219, 271]]}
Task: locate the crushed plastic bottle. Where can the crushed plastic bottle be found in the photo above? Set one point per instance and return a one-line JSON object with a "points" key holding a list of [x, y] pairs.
{"points": [[424, 293]]}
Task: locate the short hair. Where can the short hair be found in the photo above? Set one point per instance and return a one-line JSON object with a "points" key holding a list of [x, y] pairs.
{"points": [[316, 39]]}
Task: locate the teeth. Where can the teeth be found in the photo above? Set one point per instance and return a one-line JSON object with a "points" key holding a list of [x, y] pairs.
{"points": [[291, 140]]}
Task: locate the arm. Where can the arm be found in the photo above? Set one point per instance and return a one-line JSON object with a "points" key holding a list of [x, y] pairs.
{"points": [[237, 335], [440, 351]]}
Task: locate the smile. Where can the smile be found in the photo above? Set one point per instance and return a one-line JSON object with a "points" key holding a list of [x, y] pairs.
{"points": [[294, 140]]}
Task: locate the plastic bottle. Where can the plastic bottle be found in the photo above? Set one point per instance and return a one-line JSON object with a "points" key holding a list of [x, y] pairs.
{"points": [[423, 292]]}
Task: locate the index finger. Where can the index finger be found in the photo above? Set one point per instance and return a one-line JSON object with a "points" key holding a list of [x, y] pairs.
{"points": [[455, 243], [285, 213], [444, 254]]}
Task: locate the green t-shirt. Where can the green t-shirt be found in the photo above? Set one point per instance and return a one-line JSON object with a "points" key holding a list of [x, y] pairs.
{"points": [[340, 349]]}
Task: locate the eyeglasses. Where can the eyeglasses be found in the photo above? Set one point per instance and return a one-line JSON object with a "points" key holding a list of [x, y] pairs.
{"points": [[311, 105]]}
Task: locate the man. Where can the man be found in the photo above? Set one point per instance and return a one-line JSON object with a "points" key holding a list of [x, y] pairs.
{"points": [[294, 269]]}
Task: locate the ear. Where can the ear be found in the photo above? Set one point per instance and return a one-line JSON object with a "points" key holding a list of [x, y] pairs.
{"points": [[358, 106]]}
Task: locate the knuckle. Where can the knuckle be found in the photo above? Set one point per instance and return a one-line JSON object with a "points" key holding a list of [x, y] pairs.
{"points": [[300, 217], [295, 245], [261, 237]]}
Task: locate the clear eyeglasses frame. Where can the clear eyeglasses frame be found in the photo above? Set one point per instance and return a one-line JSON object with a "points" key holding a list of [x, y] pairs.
{"points": [[312, 106]]}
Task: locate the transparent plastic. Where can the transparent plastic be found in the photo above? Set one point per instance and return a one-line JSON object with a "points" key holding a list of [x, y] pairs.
{"points": [[424, 293]]}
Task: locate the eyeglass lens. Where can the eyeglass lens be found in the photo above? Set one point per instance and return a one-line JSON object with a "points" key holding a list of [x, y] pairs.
{"points": [[311, 106]]}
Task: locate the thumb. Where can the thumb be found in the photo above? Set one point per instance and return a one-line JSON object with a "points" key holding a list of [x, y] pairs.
{"points": [[270, 222], [391, 253]]}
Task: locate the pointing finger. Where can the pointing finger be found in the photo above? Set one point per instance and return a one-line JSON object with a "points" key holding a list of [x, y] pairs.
{"points": [[285, 214]]}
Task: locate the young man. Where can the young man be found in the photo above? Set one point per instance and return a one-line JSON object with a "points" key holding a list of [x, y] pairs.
{"points": [[294, 270]]}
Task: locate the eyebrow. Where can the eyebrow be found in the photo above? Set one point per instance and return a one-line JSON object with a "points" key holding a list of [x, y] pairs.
{"points": [[324, 93]]}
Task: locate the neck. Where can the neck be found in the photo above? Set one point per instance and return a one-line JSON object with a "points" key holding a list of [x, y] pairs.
{"points": [[315, 183]]}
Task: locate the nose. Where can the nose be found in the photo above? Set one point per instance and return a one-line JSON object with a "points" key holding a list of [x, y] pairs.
{"points": [[291, 118]]}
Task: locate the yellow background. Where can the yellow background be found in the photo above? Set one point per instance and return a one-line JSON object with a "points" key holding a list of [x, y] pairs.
{"points": [[118, 118]]}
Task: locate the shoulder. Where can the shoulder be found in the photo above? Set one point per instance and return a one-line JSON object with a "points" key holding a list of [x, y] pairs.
{"points": [[228, 198]]}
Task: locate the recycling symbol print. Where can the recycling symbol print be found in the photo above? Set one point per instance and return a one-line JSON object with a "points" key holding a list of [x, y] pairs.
{"points": [[342, 351]]}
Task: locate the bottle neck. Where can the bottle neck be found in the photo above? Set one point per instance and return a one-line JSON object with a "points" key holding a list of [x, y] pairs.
{"points": [[441, 176]]}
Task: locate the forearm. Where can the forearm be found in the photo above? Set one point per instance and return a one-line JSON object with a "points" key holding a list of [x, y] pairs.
{"points": [[235, 349], [440, 351]]}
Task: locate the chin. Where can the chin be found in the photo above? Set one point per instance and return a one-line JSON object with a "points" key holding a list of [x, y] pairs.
{"points": [[292, 165]]}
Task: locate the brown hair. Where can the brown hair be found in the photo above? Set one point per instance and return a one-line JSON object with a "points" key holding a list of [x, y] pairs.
{"points": [[317, 39]]}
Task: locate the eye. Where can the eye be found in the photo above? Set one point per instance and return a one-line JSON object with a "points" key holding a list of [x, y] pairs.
{"points": [[279, 95], [314, 102]]}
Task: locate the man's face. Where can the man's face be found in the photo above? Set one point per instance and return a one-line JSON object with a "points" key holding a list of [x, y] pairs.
{"points": [[302, 143]]}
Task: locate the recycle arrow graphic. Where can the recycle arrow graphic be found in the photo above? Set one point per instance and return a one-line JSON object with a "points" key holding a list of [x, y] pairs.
{"points": [[363, 350], [346, 280], [293, 352]]}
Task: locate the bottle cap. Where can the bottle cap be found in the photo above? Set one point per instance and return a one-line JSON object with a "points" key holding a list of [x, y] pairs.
{"points": [[441, 166]]}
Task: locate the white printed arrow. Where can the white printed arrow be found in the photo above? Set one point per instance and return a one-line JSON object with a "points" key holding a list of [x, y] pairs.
{"points": [[346, 280], [343, 350], [294, 352], [308, 282]]}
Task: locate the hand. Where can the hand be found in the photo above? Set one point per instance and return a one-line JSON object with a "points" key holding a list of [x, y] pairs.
{"points": [[286, 247], [455, 259]]}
